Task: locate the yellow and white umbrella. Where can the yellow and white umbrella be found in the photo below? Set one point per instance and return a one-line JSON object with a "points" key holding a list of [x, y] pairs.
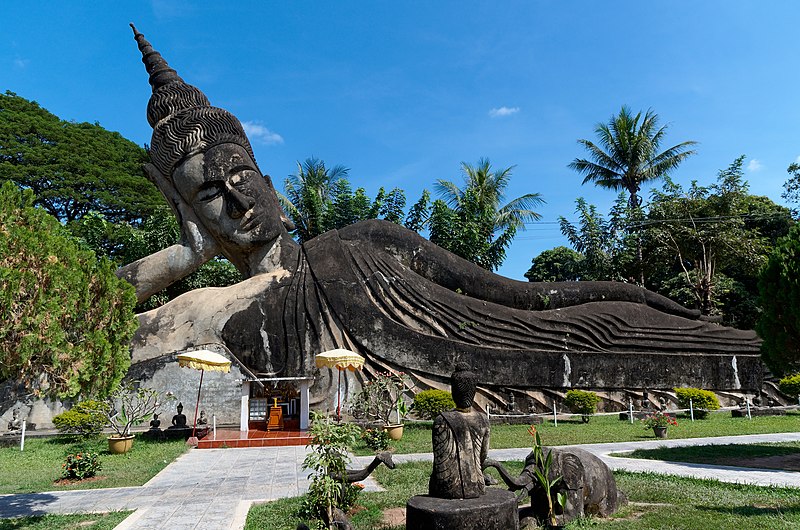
{"points": [[203, 360], [342, 360]]}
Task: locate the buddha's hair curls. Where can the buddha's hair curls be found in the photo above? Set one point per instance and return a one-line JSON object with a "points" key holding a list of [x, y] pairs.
{"points": [[183, 120]]}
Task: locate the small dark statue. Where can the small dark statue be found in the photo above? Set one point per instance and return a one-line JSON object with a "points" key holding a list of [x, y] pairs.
{"points": [[458, 497], [586, 482]]}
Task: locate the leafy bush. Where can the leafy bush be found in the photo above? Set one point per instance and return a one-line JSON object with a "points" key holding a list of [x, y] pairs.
{"points": [[582, 402], [790, 385], [381, 397], [328, 459], [430, 403], [704, 400], [80, 466], [87, 418], [376, 439]]}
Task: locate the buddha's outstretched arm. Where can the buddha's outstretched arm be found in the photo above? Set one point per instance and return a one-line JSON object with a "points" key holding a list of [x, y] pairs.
{"points": [[158, 271], [457, 274]]}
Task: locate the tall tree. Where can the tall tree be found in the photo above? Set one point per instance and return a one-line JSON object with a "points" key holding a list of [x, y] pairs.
{"points": [[714, 238], [779, 288], [66, 320], [627, 155], [73, 168], [471, 221]]}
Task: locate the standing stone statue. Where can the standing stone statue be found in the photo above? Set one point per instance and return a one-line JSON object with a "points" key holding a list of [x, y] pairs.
{"points": [[460, 443]]}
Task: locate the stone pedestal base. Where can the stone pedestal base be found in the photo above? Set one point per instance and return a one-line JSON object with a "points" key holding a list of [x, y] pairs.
{"points": [[497, 510]]}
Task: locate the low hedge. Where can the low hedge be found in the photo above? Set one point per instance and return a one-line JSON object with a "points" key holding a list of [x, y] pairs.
{"points": [[429, 403], [790, 385], [582, 402], [701, 399]]}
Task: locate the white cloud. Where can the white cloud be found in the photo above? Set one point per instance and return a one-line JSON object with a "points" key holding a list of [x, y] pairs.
{"points": [[754, 165], [797, 159], [503, 111], [260, 134], [20, 63]]}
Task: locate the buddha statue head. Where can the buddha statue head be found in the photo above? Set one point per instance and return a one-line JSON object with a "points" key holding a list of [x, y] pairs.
{"points": [[463, 384], [203, 152]]}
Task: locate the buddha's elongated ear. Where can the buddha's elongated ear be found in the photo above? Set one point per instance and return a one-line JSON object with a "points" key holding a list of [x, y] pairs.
{"points": [[166, 188]]}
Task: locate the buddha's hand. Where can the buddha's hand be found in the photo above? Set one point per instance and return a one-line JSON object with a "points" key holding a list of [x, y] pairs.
{"points": [[193, 234]]}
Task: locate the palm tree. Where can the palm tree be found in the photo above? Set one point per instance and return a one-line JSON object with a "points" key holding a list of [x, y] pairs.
{"points": [[628, 153], [309, 194], [484, 224], [628, 156]]}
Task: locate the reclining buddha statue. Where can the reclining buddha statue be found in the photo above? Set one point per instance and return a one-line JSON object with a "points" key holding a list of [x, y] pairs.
{"points": [[384, 291]]}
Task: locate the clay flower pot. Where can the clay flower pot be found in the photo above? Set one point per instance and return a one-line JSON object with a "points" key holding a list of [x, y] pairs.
{"points": [[395, 432], [661, 432], [120, 445]]}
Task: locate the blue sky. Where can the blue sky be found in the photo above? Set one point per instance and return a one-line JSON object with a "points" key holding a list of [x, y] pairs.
{"points": [[403, 92]]}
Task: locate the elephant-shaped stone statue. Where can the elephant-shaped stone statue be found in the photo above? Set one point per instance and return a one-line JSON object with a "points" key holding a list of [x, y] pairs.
{"points": [[586, 482]]}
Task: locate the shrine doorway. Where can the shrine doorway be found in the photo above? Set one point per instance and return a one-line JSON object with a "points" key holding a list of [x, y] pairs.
{"points": [[275, 403]]}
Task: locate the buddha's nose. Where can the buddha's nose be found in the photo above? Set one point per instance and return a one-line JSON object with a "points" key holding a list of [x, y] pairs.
{"points": [[237, 203]]}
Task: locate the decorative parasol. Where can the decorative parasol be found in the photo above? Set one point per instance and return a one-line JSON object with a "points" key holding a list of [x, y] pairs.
{"points": [[342, 360], [203, 360]]}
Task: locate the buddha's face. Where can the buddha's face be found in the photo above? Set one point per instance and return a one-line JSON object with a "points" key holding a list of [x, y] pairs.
{"points": [[230, 197]]}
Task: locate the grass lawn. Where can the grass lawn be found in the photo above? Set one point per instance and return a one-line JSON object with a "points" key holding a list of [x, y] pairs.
{"points": [[656, 502], [38, 467], [417, 436], [718, 454], [105, 521]]}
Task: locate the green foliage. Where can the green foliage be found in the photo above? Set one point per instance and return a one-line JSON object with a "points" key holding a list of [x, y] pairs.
{"points": [[701, 399], [717, 236], [66, 320], [605, 247], [779, 290], [79, 466], [87, 418], [430, 403], [376, 439], [319, 199], [582, 402], [542, 475], [380, 397], [471, 221], [790, 385], [328, 458], [72, 168], [560, 264]]}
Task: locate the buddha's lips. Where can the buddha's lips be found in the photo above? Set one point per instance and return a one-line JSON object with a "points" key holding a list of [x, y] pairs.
{"points": [[251, 220]]}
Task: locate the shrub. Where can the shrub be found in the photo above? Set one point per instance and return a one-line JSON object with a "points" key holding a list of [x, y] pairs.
{"points": [[582, 402], [328, 459], [80, 466], [790, 385], [430, 403], [376, 439], [704, 400], [87, 418]]}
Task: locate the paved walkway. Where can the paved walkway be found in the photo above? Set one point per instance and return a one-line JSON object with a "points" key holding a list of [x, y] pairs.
{"points": [[214, 488]]}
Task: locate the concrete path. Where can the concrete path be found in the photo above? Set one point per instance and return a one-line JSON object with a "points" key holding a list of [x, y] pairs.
{"points": [[214, 488]]}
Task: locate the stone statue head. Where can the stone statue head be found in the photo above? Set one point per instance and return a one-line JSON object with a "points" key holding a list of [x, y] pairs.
{"points": [[204, 153], [180, 407], [463, 384]]}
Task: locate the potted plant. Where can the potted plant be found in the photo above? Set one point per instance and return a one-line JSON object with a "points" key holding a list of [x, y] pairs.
{"points": [[659, 421], [380, 399], [136, 405]]}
